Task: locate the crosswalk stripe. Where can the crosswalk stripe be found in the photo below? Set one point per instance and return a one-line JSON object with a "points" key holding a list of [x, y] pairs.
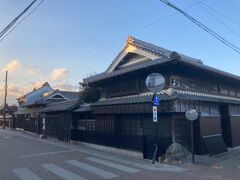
{"points": [[65, 174], [25, 174], [113, 165], [92, 169]]}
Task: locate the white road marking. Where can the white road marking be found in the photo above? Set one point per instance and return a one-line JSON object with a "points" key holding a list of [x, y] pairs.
{"points": [[25, 174], [143, 165], [92, 169], [61, 172], [7, 137], [46, 153], [113, 165]]}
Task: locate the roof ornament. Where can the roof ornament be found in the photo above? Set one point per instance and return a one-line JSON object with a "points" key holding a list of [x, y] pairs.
{"points": [[130, 40], [174, 55]]}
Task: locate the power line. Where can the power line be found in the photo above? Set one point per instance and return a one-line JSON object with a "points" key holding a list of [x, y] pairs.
{"points": [[221, 14], [234, 7], [219, 20], [117, 39], [39, 4], [205, 28], [15, 19]]}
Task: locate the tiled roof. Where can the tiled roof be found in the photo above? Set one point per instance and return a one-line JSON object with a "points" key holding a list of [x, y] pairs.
{"points": [[164, 56], [61, 106], [156, 49], [6, 110], [70, 94], [43, 100], [105, 75], [83, 108], [168, 94]]}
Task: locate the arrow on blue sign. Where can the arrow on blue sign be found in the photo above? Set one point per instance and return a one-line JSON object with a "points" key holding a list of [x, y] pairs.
{"points": [[156, 101]]}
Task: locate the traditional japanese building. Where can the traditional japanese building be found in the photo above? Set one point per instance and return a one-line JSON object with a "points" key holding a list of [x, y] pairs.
{"points": [[30, 104], [125, 106]]}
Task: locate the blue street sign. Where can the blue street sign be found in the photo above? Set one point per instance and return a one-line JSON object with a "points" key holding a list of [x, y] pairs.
{"points": [[156, 101]]}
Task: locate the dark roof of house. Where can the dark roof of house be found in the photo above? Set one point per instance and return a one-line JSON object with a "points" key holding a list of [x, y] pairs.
{"points": [[83, 108], [6, 110], [151, 48], [168, 94], [61, 106], [125, 70], [166, 56]]}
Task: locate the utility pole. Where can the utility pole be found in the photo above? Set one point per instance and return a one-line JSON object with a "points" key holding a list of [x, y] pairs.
{"points": [[5, 101]]}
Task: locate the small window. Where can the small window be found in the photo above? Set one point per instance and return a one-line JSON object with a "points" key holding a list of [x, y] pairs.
{"points": [[176, 83]]}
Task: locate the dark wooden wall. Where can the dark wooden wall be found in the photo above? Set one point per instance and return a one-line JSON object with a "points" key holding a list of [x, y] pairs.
{"points": [[58, 125]]}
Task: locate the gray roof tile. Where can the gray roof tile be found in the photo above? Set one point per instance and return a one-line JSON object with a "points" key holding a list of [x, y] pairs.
{"points": [[168, 94]]}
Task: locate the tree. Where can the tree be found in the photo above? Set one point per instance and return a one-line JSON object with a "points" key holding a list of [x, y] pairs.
{"points": [[90, 94]]}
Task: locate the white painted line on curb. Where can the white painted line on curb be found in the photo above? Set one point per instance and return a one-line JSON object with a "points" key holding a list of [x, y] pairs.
{"points": [[61, 172], [25, 174], [92, 169], [113, 165]]}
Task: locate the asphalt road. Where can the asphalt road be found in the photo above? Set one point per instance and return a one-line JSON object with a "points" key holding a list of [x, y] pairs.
{"points": [[27, 157]]}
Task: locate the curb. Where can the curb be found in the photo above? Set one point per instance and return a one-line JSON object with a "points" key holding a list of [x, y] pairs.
{"points": [[133, 154]]}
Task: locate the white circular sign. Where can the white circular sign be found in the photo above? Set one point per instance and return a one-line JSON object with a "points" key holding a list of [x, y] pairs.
{"points": [[155, 82], [191, 115]]}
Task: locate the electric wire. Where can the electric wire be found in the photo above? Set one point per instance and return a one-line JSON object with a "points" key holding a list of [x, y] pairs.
{"points": [[24, 18], [205, 28]]}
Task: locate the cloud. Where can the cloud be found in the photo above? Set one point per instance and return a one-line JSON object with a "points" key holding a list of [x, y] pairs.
{"points": [[13, 66], [66, 86], [59, 74], [33, 71]]}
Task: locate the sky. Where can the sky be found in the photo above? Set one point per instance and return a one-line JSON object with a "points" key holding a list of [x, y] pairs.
{"points": [[64, 41]]}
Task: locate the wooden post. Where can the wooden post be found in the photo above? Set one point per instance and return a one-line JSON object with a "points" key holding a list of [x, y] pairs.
{"points": [[5, 100]]}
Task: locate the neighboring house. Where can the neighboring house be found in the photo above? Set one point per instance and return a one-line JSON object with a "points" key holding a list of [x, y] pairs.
{"points": [[32, 102], [125, 107], [62, 118], [40, 97], [9, 115]]}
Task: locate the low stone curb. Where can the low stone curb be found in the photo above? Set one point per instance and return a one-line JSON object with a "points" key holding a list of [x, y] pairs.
{"points": [[133, 154]]}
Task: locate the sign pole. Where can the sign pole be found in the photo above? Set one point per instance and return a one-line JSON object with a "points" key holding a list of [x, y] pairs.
{"points": [[192, 115], [192, 142], [155, 82], [155, 119]]}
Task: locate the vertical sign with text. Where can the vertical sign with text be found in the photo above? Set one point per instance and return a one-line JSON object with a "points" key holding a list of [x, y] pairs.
{"points": [[155, 114]]}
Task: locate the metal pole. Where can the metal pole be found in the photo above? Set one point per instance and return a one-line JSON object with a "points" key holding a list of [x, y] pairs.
{"points": [[155, 155], [5, 101], [192, 142]]}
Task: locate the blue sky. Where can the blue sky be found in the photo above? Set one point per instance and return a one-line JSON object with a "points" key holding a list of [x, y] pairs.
{"points": [[80, 37]]}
